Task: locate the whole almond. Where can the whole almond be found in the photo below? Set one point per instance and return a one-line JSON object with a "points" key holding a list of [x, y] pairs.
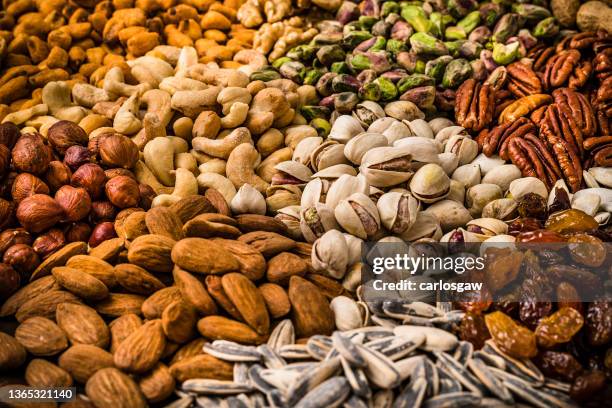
{"points": [[215, 288], [41, 336], [248, 300], [141, 350], [193, 348], [211, 225], [83, 360], [191, 206], [330, 288], [133, 226], [268, 243], [59, 258], [277, 300], [29, 291], [218, 201], [194, 292], [82, 325], [164, 221], [109, 249], [117, 304], [222, 328], [310, 310], [43, 373], [96, 267], [121, 219], [158, 384], [137, 280], [285, 265], [154, 305], [179, 320], [110, 388], [80, 283], [201, 255], [12, 354], [122, 327], [252, 263], [44, 305], [257, 222], [152, 252], [202, 366]]}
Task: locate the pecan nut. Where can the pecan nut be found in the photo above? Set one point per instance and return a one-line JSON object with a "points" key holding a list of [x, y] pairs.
{"points": [[559, 123], [560, 67], [533, 157], [569, 162], [523, 107], [540, 54], [497, 139], [580, 109], [603, 97], [602, 64], [522, 80], [600, 151], [475, 105]]}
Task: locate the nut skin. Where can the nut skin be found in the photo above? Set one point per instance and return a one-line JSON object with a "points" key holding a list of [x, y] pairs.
{"points": [[79, 231], [49, 242], [102, 211], [5, 160], [26, 185], [22, 258], [118, 151], [123, 191], [76, 156], [147, 194], [496, 139], [9, 281], [11, 237], [102, 232], [57, 175], [9, 133], [75, 202], [533, 157], [39, 212], [64, 134], [31, 155], [110, 173], [522, 80], [91, 177]]}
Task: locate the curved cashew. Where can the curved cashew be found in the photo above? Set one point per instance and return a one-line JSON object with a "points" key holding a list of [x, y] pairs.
{"points": [[174, 84], [94, 121], [179, 145], [186, 185], [207, 125], [88, 95], [220, 183], [213, 166], [222, 148], [150, 70], [186, 161], [159, 157], [168, 53], [144, 175], [114, 84], [191, 103], [56, 95], [240, 167], [24, 115], [187, 58], [267, 167], [237, 115], [159, 103], [151, 129], [252, 58], [218, 76], [126, 120], [233, 94], [183, 127], [42, 123]]}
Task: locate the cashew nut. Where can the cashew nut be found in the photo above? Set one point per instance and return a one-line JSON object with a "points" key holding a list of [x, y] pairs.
{"points": [[88, 95], [159, 157], [186, 185], [24, 115], [56, 95], [183, 127], [144, 175], [237, 115], [158, 102], [267, 167], [187, 58], [151, 129], [254, 59], [213, 166], [174, 84], [126, 120], [167, 53], [240, 167], [114, 84], [232, 94], [42, 123], [220, 183], [222, 148], [217, 76], [191, 103], [207, 125], [150, 70], [94, 121], [186, 161], [179, 145]]}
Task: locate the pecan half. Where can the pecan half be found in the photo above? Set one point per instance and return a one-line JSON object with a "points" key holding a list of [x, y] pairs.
{"points": [[559, 122], [498, 137], [602, 64], [503, 98], [474, 105], [584, 40], [533, 157], [603, 123], [522, 80], [540, 54], [560, 67], [523, 107], [600, 151], [569, 163], [603, 97], [580, 109]]}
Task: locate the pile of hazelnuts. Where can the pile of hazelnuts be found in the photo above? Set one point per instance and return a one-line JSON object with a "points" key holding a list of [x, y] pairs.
{"points": [[58, 189]]}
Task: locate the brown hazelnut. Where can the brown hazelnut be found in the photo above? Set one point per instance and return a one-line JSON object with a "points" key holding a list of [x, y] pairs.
{"points": [[9, 133], [102, 232], [147, 194], [123, 191], [78, 231], [26, 185], [31, 154], [49, 242], [118, 151], [39, 212], [5, 160], [58, 175], [64, 134], [75, 201], [22, 258], [11, 237], [76, 156], [9, 281], [103, 211], [91, 177], [7, 209], [110, 173]]}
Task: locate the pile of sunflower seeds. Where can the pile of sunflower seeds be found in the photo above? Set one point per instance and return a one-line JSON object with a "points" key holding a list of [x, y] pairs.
{"points": [[408, 359]]}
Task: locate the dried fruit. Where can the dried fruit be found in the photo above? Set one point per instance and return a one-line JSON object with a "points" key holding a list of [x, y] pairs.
{"points": [[569, 221], [559, 327], [474, 329], [512, 338]]}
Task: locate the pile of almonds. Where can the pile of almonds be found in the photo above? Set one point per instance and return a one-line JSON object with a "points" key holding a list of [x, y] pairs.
{"points": [[139, 307]]}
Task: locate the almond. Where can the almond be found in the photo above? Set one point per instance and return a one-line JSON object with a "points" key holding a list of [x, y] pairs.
{"points": [[201, 255], [215, 288], [83, 360], [246, 297], [257, 222], [141, 350], [285, 265], [41, 336], [158, 384], [44, 305], [202, 366], [194, 292], [96, 267], [330, 288], [109, 249], [211, 225], [29, 291], [80, 283], [122, 327], [222, 328], [310, 310], [135, 279], [193, 348], [59, 258], [133, 226], [189, 207], [164, 221], [152, 252], [110, 388], [276, 299], [218, 201], [252, 263], [154, 305], [117, 304], [12, 354], [179, 320], [268, 243], [82, 325], [42, 373]]}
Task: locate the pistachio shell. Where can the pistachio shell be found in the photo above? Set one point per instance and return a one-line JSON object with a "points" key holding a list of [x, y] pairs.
{"points": [[354, 245], [558, 188], [450, 214], [345, 127], [604, 193], [502, 176], [444, 134], [304, 149], [449, 162], [403, 110], [343, 187], [398, 211], [327, 154], [316, 220], [468, 174], [588, 203], [355, 148], [295, 169], [330, 254], [430, 183], [463, 146], [335, 171], [487, 163], [603, 175], [457, 191], [524, 185], [480, 195], [502, 209], [467, 236], [489, 226], [248, 200], [421, 149], [314, 192], [386, 166], [437, 124], [426, 225], [420, 127], [363, 223]]}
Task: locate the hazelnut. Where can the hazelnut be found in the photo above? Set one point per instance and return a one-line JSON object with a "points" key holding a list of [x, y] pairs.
{"points": [[110, 173], [31, 155], [49, 242], [5, 160], [9, 281], [75, 201], [11, 237], [9, 133], [76, 156], [118, 151], [102, 232], [78, 231], [123, 191], [6, 212], [39, 212], [94, 143], [147, 194], [91, 177], [102, 211], [22, 258], [58, 175], [7, 184], [64, 134], [26, 185]]}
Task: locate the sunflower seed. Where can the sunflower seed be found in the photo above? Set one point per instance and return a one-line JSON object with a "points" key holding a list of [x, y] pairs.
{"points": [[397, 347], [319, 347], [435, 339], [207, 402], [271, 359], [294, 352], [408, 366], [454, 400], [347, 349], [275, 399], [523, 368], [215, 387], [379, 369], [329, 394], [258, 400], [488, 379], [459, 373], [280, 379], [237, 402], [412, 394], [464, 352], [355, 402], [282, 335], [311, 379], [256, 379], [525, 390], [382, 399], [241, 373], [383, 322], [447, 383], [557, 385], [490, 359], [370, 332], [356, 379], [230, 351]]}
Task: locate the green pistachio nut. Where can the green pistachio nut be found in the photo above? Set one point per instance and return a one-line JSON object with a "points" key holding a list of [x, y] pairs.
{"points": [[460, 8], [423, 96], [345, 102], [455, 33], [470, 22], [531, 12], [302, 52], [414, 81], [311, 112], [265, 74], [546, 28], [505, 54], [387, 88], [379, 44], [419, 68], [366, 22], [395, 46], [293, 70], [507, 26], [454, 47], [312, 76], [329, 54], [457, 71], [423, 43], [278, 62], [435, 68], [389, 7], [354, 38], [416, 17], [370, 92], [340, 67], [360, 62], [470, 50], [321, 125], [437, 23]]}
